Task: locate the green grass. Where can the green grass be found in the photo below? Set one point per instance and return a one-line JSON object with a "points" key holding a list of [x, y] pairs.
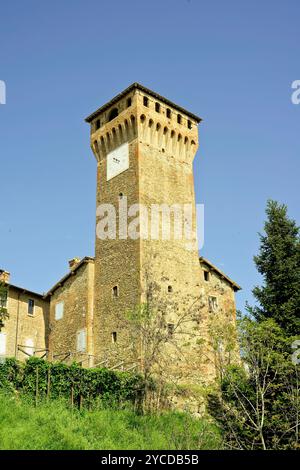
{"points": [[55, 426]]}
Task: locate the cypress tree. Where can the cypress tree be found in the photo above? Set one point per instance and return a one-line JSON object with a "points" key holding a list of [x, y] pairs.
{"points": [[278, 262]]}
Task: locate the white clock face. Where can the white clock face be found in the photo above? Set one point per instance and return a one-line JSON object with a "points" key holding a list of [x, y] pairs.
{"points": [[117, 161]]}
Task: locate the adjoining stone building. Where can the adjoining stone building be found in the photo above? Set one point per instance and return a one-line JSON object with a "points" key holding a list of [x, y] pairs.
{"points": [[144, 147]]}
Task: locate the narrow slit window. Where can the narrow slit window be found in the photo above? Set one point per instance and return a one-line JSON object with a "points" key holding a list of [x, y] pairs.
{"points": [[30, 309], [171, 329], [168, 113], [129, 102], [114, 337], [115, 291], [212, 304], [146, 101], [157, 107], [206, 276], [179, 118], [98, 124], [189, 124]]}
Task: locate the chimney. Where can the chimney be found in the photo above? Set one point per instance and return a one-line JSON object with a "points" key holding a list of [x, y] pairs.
{"points": [[4, 276], [73, 262]]}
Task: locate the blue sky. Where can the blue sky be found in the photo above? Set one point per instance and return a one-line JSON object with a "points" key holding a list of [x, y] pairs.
{"points": [[230, 62]]}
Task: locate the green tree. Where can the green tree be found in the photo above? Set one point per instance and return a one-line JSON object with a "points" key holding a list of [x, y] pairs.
{"points": [[278, 262], [258, 406], [3, 302]]}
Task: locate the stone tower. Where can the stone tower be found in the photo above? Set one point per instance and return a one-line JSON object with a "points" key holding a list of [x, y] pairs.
{"points": [[144, 146]]}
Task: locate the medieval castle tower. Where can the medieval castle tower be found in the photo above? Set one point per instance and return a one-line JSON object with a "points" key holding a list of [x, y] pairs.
{"points": [[144, 147]]}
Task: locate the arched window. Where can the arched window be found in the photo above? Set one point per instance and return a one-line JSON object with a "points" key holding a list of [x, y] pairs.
{"points": [[113, 114]]}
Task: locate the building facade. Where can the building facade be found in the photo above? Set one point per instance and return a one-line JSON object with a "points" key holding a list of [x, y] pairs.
{"points": [[144, 147]]}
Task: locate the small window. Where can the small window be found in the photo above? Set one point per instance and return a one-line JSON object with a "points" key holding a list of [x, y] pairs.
{"points": [[179, 118], [146, 101], [30, 307], [168, 113], [81, 341], [129, 102], [98, 124], [171, 329], [157, 107], [189, 123], [206, 275], [113, 114], [59, 310], [212, 304], [115, 291], [121, 195], [170, 289], [114, 337]]}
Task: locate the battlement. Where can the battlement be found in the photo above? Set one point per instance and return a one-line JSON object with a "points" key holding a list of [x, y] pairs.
{"points": [[140, 113]]}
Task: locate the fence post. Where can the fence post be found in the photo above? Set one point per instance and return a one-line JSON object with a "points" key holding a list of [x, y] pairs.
{"points": [[36, 385], [48, 382]]}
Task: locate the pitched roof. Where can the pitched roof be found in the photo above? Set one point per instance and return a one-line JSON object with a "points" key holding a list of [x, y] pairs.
{"points": [[235, 286], [138, 86], [24, 291], [86, 259]]}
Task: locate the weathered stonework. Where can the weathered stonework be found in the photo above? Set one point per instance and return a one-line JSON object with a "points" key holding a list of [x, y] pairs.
{"points": [[163, 140], [75, 293], [25, 334], [82, 317]]}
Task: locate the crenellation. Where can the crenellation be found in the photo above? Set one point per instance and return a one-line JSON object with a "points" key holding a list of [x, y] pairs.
{"points": [[144, 146]]}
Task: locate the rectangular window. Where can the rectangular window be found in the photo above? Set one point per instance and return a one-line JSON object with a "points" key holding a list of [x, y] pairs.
{"points": [[168, 113], [30, 310], [206, 276], [189, 124], [115, 291], [157, 107], [81, 340], [114, 337], [212, 304], [98, 124], [59, 310], [2, 344]]}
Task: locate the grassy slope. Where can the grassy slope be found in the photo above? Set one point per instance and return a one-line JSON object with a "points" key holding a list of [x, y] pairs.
{"points": [[54, 426]]}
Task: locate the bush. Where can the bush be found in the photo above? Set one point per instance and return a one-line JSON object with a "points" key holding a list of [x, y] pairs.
{"points": [[39, 378]]}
